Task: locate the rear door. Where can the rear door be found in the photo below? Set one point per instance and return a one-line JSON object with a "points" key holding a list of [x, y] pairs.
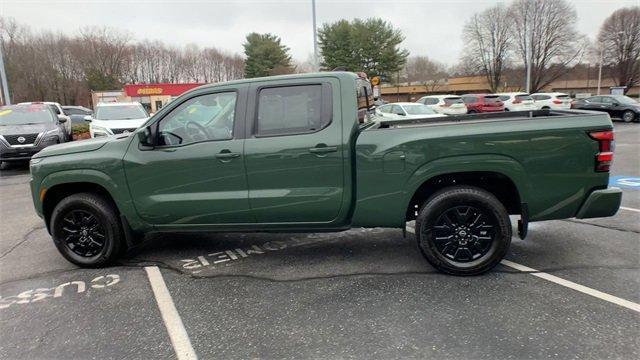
{"points": [[293, 151]]}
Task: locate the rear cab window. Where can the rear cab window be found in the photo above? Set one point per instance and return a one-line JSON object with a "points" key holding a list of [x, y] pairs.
{"points": [[295, 109], [491, 99]]}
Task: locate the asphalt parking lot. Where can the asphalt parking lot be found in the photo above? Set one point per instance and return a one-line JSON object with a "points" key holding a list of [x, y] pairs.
{"points": [[570, 290]]}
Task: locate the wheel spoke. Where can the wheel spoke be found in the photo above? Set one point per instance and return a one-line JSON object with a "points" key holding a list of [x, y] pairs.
{"points": [[464, 233], [83, 233]]}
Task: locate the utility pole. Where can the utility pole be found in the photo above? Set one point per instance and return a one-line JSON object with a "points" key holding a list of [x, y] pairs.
{"points": [[528, 43], [5, 88], [316, 65], [600, 68]]}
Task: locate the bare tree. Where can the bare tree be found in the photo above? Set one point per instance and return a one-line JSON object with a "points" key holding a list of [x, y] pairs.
{"points": [[619, 43], [487, 38], [545, 31], [424, 71]]}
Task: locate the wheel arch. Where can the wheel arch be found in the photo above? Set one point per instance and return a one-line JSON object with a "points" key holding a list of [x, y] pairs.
{"points": [[501, 176], [62, 184]]}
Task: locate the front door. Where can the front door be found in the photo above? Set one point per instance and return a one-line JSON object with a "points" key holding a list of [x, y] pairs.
{"points": [[294, 154], [196, 175]]}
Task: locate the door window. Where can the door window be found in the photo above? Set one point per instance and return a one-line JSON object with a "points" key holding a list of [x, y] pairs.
{"points": [[397, 110], [203, 118], [293, 110]]}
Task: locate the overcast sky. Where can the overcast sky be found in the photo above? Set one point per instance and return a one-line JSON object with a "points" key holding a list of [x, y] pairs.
{"points": [[431, 27]]}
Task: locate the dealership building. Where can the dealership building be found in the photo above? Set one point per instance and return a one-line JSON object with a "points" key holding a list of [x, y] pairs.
{"points": [[152, 96]]}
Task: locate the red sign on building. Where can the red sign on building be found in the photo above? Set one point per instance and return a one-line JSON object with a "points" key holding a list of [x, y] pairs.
{"points": [[137, 90]]}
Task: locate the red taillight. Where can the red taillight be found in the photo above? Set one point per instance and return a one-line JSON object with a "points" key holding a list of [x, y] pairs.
{"points": [[606, 146], [517, 101], [557, 102]]}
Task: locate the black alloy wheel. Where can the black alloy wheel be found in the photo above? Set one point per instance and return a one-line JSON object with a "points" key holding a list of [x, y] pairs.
{"points": [[87, 231], [463, 230], [464, 233], [83, 233]]}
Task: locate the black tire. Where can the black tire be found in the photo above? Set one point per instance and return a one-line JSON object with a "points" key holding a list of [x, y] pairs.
{"points": [[72, 216], [546, 108], [628, 116], [472, 112], [464, 232]]}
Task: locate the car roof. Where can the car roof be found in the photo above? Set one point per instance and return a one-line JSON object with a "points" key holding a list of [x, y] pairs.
{"points": [[514, 93], [403, 103], [440, 96], [550, 93], [119, 103], [39, 102]]}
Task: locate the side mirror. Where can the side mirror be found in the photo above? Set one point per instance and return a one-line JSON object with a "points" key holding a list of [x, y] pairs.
{"points": [[62, 119], [87, 118], [145, 136]]}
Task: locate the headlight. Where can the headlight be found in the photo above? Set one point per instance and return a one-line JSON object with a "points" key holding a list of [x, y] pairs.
{"points": [[51, 135], [100, 129]]}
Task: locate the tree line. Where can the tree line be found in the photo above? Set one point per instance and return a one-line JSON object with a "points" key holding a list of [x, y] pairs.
{"points": [[542, 34], [58, 67]]}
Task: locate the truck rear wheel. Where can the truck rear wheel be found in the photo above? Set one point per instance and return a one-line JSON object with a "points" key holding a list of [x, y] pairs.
{"points": [[463, 230], [86, 230]]}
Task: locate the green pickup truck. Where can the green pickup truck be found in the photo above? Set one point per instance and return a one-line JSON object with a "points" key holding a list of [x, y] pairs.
{"points": [[296, 153]]}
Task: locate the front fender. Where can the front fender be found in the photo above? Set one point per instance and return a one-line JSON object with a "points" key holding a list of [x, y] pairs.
{"points": [[500, 164], [117, 190]]}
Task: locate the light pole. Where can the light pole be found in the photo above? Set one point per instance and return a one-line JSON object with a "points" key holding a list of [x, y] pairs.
{"points": [[315, 37], [620, 36], [600, 68], [5, 88]]}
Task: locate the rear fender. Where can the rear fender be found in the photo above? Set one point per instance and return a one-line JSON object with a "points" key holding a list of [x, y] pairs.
{"points": [[500, 164]]}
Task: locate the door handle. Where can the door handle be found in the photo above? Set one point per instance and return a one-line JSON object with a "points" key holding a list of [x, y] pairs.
{"points": [[227, 155], [323, 149]]}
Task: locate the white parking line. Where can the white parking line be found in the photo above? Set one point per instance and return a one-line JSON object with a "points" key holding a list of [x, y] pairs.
{"points": [[177, 333], [629, 209], [570, 284], [566, 283]]}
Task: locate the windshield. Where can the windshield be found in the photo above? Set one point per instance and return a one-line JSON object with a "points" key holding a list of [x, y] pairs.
{"points": [[418, 109], [120, 112], [623, 99], [24, 115]]}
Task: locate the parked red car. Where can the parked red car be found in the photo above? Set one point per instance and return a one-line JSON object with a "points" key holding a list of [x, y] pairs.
{"points": [[480, 103]]}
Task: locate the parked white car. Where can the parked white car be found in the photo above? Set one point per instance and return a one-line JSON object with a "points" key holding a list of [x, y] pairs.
{"points": [[57, 109], [405, 111], [445, 104], [553, 101], [116, 118], [517, 101]]}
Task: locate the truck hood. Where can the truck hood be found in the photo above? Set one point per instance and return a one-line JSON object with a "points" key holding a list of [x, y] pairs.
{"points": [[74, 147], [25, 129]]}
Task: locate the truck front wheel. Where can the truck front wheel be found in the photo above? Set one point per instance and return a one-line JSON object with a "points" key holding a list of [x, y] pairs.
{"points": [[463, 230], [86, 230]]}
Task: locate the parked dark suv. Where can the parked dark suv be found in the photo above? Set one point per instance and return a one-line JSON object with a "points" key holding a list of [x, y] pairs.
{"points": [[618, 106], [480, 103], [27, 129]]}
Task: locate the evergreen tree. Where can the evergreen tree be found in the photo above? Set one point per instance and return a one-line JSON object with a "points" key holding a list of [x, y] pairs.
{"points": [[265, 56], [370, 45]]}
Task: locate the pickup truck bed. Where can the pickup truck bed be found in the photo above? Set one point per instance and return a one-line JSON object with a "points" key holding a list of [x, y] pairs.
{"points": [[540, 163]]}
